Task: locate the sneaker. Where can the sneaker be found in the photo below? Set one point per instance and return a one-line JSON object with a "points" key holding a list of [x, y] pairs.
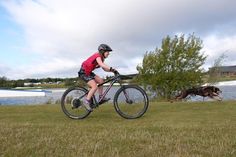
{"points": [[103, 100], [86, 104]]}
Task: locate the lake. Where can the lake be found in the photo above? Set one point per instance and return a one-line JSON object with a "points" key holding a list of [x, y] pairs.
{"points": [[51, 97], [55, 95]]}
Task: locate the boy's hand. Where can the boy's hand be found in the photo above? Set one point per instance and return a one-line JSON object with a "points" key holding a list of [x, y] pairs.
{"points": [[114, 71]]}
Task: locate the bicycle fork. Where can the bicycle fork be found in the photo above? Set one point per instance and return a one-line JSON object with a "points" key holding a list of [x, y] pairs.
{"points": [[127, 99]]}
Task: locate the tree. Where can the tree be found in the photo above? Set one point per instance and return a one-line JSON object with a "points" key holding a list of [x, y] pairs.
{"points": [[174, 66], [17, 83], [3, 81]]}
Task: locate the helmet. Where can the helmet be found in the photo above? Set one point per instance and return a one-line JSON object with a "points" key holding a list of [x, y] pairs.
{"points": [[104, 48]]}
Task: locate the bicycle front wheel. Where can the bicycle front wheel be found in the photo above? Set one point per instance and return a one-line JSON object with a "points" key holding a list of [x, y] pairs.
{"points": [[72, 103], [131, 102]]}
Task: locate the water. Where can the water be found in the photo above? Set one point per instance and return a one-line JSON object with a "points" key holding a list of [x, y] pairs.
{"points": [[55, 96], [51, 97]]}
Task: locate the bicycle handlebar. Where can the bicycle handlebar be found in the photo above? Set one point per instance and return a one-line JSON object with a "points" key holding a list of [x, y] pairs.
{"points": [[118, 77], [124, 77]]}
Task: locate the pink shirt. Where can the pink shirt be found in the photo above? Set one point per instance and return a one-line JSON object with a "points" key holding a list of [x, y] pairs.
{"points": [[90, 64]]}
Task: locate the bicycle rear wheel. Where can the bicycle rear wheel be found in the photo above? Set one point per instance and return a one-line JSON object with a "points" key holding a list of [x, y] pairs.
{"points": [[72, 103], [131, 102]]}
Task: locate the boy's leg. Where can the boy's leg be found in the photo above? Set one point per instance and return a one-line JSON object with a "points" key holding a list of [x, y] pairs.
{"points": [[87, 101], [93, 85], [99, 80]]}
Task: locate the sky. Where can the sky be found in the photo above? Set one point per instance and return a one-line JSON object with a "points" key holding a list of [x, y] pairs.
{"points": [[51, 38]]}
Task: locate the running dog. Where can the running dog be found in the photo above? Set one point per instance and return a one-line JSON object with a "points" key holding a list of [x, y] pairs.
{"points": [[204, 91]]}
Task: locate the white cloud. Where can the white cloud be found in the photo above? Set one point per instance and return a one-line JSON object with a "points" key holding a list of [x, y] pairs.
{"points": [[3, 69], [57, 67], [215, 46], [65, 32]]}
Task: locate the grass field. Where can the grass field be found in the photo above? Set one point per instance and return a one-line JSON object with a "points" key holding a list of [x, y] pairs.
{"points": [[167, 130]]}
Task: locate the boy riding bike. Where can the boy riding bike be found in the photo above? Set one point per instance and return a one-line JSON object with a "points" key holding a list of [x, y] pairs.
{"points": [[86, 73]]}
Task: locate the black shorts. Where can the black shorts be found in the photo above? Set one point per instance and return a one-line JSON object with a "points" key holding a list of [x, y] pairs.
{"points": [[85, 77]]}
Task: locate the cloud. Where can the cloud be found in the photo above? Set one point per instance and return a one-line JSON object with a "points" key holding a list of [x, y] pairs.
{"points": [[215, 46], [57, 67], [3, 69], [67, 32]]}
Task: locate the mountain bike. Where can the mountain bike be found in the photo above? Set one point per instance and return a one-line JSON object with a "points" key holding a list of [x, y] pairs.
{"points": [[130, 101]]}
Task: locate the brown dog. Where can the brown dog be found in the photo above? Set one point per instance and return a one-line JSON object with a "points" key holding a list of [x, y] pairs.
{"points": [[204, 91]]}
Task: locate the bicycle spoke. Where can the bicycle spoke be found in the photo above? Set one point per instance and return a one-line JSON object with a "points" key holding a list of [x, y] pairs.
{"points": [[72, 103], [131, 102]]}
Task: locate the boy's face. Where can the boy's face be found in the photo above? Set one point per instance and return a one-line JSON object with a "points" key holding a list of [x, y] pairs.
{"points": [[106, 54]]}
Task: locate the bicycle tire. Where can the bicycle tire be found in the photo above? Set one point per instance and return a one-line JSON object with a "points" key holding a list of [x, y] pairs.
{"points": [[71, 103], [138, 102]]}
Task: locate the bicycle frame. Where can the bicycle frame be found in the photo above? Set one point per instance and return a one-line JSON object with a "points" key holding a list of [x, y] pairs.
{"points": [[112, 80]]}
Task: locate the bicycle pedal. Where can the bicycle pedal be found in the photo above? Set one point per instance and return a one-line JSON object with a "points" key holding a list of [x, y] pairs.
{"points": [[94, 106], [104, 101]]}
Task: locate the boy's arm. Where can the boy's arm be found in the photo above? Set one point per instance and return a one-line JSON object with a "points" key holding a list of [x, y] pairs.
{"points": [[103, 65]]}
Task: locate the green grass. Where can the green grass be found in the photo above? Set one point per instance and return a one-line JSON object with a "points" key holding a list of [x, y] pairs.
{"points": [[167, 129]]}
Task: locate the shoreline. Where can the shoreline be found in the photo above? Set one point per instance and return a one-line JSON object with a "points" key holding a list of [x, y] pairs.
{"points": [[7, 93], [222, 83]]}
